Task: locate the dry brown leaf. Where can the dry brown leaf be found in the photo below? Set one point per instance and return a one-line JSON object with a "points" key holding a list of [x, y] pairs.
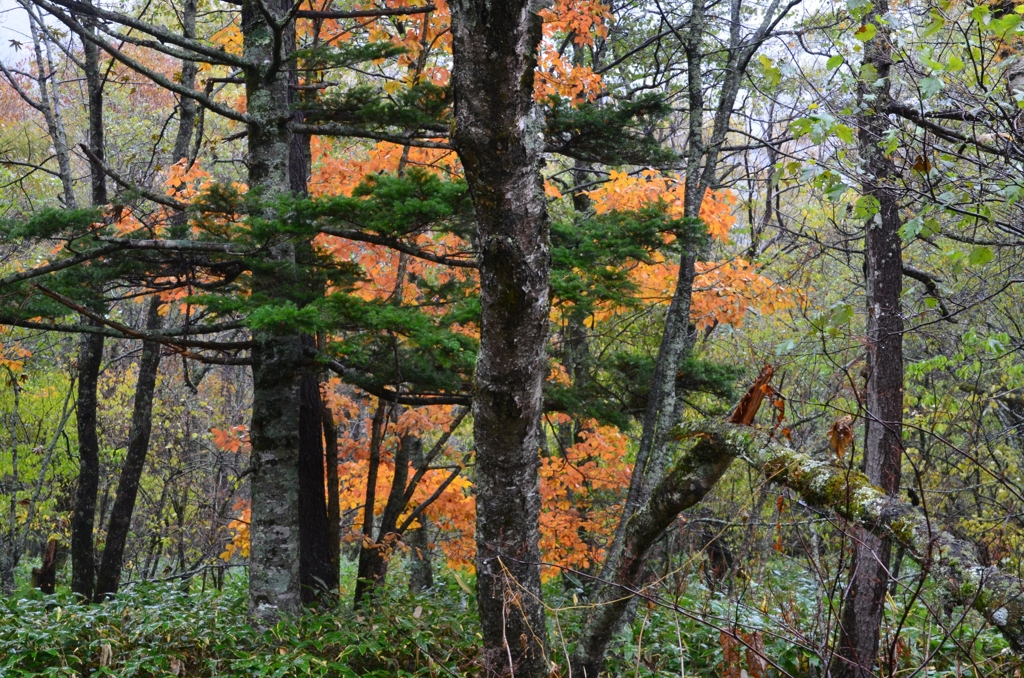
{"points": [[840, 435]]}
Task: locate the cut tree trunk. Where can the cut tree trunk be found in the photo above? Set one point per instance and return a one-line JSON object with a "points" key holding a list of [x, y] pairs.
{"points": [[498, 138]]}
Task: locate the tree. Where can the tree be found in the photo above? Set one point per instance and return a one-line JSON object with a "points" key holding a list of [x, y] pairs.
{"points": [[496, 135], [864, 601]]}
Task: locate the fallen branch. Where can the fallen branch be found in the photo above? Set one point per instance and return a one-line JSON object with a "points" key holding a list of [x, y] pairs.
{"points": [[952, 563]]}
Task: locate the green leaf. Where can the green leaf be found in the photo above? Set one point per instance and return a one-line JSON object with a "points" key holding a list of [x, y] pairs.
{"points": [[868, 73], [930, 87], [844, 133], [865, 207], [841, 315], [865, 32], [1005, 24], [771, 72], [935, 25], [980, 256], [785, 347], [955, 63], [835, 62], [911, 228]]}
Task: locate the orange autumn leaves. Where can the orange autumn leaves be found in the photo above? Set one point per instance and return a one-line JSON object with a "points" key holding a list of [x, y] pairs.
{"points": [[580, 486], [723, 291], [580, 490], [452, 514]]}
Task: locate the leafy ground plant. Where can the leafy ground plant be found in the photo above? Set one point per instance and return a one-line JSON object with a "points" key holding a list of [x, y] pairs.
{"points": [[161, 630]]}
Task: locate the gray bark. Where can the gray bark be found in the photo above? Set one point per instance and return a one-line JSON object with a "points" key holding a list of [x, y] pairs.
{"points": [[187, 108], [864, 603], [497, 135], [274, 583]]}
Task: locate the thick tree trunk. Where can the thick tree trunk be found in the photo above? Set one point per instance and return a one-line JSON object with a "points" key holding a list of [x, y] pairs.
{"points": [[278, 363], [497, 136], [864, 602], [108, 577], [83, 564], [274, 585]]}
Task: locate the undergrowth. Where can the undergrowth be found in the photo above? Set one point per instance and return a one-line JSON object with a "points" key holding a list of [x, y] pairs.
{"points": [[688, 628]]}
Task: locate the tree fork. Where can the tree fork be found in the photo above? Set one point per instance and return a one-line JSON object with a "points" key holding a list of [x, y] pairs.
{"points": [[685, 484], [108, 577]]}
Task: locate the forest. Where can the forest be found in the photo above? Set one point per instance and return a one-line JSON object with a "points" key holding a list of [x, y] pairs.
{"points": [[512, 338]]}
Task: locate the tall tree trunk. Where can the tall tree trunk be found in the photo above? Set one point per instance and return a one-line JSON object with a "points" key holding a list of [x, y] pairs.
{"points": [[883, 403], [497, 136], [94, 82], [333, 494], [90, 356], [108, 577], [318, 580], [274, 583], [187, 108], [421, 572], [83, 564]]}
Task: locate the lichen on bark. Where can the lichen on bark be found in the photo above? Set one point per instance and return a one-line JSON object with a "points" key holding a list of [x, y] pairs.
{"points": [[952, 563]]}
